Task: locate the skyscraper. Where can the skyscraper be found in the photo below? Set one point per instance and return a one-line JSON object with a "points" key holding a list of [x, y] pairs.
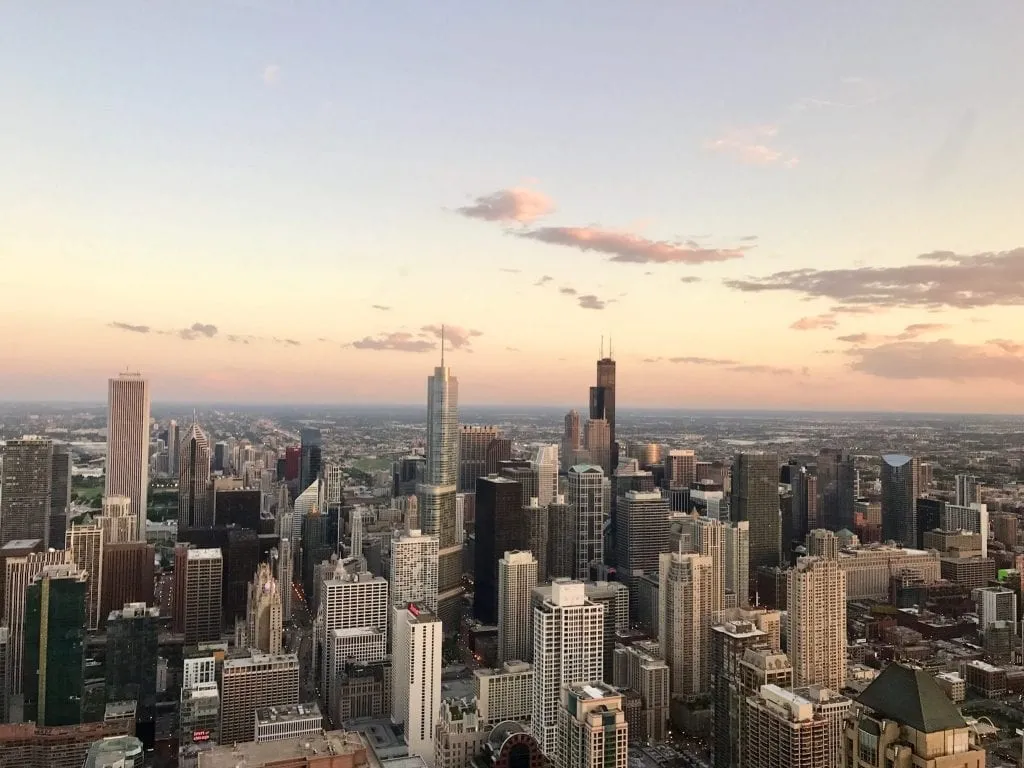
{"points": [[310, 455], [794, 728], [203, 594], [684, 619], [755, 498], [568, 646], [52, 673], [602, 405], [473, 444], [264, 617], [413, 572], [517, 576], [899, 499], [247, 684], [132, 651], [118, 520], [85, 543], [597, 441], [680, 469], [26, 487], [173, 446], [194, 480], [60, 494], [816, 590], [805, 506], [640, 537], [127, 467], [416, 691], [966, 490], [736, 553], [837, 480], [545, 464], [572, 440], [502, 525], [592, 727], [436, 495], [587, 507]]}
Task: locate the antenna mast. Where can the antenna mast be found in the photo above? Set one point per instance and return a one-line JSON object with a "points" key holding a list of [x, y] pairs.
{"points": [[442, 345], [602, 346]]}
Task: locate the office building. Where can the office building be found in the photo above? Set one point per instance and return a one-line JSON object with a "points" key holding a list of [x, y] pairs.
{"points": [[34, 746], [641, 536], [545, 464], [572, 441], [793, 728], [805, 515], [201, 592], [868, 569], [680, 469], [837, 477], [85, 543], [592, 728], [264, 618], [173, 444], [127, 575], [903, 718], [568, 646], [1005, 529], [354, 611], [602, 406], [597, 442], [26, 487], [587, 496], [973, 518], [736, 557], [538, 524], [132, 652], [816, 622], [517, 577], [52, 667], [248, 684], [685, 618], [127, 465], [729, 642], [504, 693], [436, 502], [823, 543], [562, 533], [288, 722], [614, 596], [459, 734], [641, 670], [60, 493], [501, 526], [118, 520], [310, 455], [755, 499], [194, 509], [329, 749], [966, 490], [416, 689], [473, 444], [115, 752], [995, 604], [899, 499], [413, 569]]}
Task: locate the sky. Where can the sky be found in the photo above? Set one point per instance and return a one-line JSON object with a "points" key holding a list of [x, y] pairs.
{"points": [[791, 204]]}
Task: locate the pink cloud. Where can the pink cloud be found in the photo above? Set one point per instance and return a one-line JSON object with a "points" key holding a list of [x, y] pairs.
{"points": [[516, 204], [814, 323], [628, 247], [455, 337], [752, 146], [398, 341]]}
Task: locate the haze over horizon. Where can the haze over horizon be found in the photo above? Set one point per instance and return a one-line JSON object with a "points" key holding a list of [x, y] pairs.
{"points": [[768, 207]]}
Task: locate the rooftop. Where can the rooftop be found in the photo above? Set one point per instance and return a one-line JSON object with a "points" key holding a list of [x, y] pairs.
{"points": [[912, 697], [211, 553], [258, 658], [287, 712], [253, 754]]}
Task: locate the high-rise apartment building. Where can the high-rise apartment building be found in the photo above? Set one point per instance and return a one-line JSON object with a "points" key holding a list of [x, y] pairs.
{"points": [[517, 577], [899, 499], [686, 583], [416, 692], [592, 727], [173, 445], [568, 646], [680, 469], [823, 543], [194, 510], [966, 490], [729, 642], [545, 464], [736, 556], [502, 525], [26, 489], [597, 440], [837, 479], [504, 693], [641, 535], [201, 593], [473, 444], [85, 543], [572, 440], [459, 735], [247, 684], [356, 605], [602, 406], [805, 506], [816, 622], [264, 617], [60, 493], [561, 540], [639, 669], [52, 668], [755, 499], [436, 500], [413, 571], [587, 497], [127, 465], [538, 523], [793, 728], [132, 652]]}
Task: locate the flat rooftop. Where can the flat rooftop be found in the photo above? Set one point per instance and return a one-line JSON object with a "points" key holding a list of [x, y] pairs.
{"points": [[250, 753], [211, 553], [288, 712]]}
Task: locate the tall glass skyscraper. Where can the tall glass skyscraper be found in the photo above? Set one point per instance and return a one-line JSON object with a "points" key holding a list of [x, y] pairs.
{"points": [[899, 499], [194, 480], [127, 468]]}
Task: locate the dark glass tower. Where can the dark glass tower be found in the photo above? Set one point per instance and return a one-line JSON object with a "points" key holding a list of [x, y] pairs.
{"points": [[309, 468], [502, 525], [755, 498], [602, 403], [899, 499], [837, 477]]}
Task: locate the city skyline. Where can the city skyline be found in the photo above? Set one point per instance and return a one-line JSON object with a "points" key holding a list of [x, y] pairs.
{"points": [[840, 216]]}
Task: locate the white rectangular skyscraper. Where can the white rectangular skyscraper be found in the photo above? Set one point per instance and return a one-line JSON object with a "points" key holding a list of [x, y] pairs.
{"points": [[416, 691], [517, 576], [127, 467]]}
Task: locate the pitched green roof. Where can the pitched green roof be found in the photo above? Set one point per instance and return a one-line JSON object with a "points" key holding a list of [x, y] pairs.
{"points": [[911, 697]]}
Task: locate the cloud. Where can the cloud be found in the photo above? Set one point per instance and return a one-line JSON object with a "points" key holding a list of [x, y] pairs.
{"points": [[516, 204], [590, 301], [814, 323], [942, 359], [727, 365], [271, 74], [920, 329], [198, 330], [512, 349], [935, 280], [752, 146], [629, 248], [854, 338], [689, 279], [381, 307], [455, 337], [510, 271], [852, 310], [544, 280], [398, 341], [702, 361], [287, 342], [1007, 346], [748, 238], [567, 291], [129, 327]]}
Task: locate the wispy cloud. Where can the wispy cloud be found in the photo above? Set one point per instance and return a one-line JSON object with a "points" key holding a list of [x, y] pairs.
{"points": [[271, 74], [912, 331], [935, 280], [202, 331], [689, 279], [753, 145], [398, 341], [516, 205], [942, 359], [129, 327], [815, 323], [567, 291], [510, 271], [590, 301], [197, 331], [544, 280], [381, 307], [455, 337], [726, 364], [628, 247]]}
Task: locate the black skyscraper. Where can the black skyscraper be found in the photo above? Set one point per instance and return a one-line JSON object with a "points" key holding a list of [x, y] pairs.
{"points": [[502, 525]]}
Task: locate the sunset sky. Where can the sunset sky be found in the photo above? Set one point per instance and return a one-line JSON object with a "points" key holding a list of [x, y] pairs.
{"points": [[785, 204]]}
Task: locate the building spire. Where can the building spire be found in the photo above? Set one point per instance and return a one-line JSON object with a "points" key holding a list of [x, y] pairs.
{"points": [[442, 345], [602, 347], [610, 355]]}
